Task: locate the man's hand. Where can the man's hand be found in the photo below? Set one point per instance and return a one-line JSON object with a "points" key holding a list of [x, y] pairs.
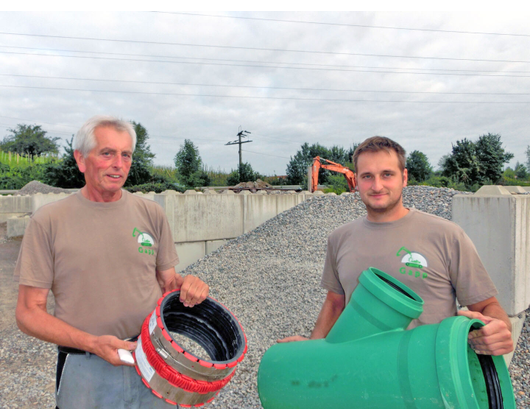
{"points": [[493, 339], [106, 347], [291, 339], [192, 290]]}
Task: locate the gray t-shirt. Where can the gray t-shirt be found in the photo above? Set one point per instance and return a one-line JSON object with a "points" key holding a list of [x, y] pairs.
{"points": [[431, 255], [99, 260]]}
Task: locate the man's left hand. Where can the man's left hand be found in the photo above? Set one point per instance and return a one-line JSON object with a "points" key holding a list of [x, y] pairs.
{"points": [[192, 290], [493, 339]]}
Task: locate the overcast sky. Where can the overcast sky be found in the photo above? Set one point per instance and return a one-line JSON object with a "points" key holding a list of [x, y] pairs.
{"points": [[424, 79]]}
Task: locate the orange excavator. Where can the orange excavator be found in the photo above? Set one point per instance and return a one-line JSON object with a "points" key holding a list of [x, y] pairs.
{"points": [[318, 163]]}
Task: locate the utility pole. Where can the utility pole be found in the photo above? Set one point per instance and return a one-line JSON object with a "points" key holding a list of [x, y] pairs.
{"points": [[242, 134]]}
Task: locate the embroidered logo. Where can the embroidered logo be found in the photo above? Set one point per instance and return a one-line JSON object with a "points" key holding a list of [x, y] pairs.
{"points": [[412, 260], [145, 240]]}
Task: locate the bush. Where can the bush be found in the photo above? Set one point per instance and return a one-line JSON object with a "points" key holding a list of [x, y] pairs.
{"points": [[15, 176], [337, 184], [247, 175]]}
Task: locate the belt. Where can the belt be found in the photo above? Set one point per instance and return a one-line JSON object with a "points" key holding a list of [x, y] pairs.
{"points": [[73, 350]]}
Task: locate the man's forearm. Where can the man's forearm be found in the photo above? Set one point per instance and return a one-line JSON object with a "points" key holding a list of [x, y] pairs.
{"points": [[495, 310], [330, 312], [39, 324]]}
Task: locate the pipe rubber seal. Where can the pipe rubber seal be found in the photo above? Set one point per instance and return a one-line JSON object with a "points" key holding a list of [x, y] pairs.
{"points": [[171, 371]]}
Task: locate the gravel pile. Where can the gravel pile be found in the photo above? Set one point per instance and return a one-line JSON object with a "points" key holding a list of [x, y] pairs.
{"points": [[34, 187], [270, 279]]}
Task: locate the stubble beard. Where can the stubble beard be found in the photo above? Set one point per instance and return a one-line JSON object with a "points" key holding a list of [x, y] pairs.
{"points": [[383, 210]]}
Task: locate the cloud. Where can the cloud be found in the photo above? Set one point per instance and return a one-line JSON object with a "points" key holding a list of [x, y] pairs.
{"points": [[201, 78]]}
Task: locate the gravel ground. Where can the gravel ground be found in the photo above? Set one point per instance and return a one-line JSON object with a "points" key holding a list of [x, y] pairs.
{"points": [[269, 278]]}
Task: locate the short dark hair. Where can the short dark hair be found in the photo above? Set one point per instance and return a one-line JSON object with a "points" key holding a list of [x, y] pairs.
{"points": [[377, 143]]}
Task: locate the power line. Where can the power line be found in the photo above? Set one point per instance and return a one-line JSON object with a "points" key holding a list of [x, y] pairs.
{"points": [[325, 66], [265, 154], [265, 87], [260, 97], [269, 67], [260, 48], [352, 25]]}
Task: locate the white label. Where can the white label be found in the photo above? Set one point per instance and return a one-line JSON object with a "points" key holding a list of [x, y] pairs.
{"points": [[143, 364], [152, 322]]}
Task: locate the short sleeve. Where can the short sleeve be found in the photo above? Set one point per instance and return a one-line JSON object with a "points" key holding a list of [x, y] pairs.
{"points": [[469, 277], [330, 277], [35, 263]]}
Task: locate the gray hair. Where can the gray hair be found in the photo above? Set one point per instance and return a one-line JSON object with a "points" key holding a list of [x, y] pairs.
{"points": [[85, 140]]}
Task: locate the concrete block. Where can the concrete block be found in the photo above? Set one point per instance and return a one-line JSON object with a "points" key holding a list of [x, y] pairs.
{"points": [[258, 209], [206, 217], [499, 226], [212, 246], [167, 200], [492, 190], [13, 204], [515, 189], [4, 217], [147, 196], [16, 226], [285, 202], [517, 326], [189, 253]]}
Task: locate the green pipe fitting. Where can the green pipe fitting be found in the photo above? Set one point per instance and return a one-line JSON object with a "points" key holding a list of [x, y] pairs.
{"points": [[370, 360]]}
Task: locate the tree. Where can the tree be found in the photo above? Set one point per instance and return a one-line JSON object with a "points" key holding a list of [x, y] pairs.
{"points": [[520, 171], [243, 174], [528, 158], [64, 173], [478, 162], [140, 172], [462, 164], [29, 140], [189, 166], [492, 157], [418, 166]]}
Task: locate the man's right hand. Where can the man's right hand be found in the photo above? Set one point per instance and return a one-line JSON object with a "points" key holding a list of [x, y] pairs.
{"points": [[292, 338], [106, 347]]}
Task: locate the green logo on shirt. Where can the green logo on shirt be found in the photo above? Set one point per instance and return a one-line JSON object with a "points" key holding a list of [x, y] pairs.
{"points": [[145, 240], [412, 260]]}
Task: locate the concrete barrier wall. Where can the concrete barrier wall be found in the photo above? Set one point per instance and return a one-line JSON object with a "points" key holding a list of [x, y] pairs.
{"points": [[200, 222], [497, 219], [203, 222]]}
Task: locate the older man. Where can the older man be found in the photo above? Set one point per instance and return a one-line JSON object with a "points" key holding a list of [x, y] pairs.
{"points": [[431, 255], [107, 256]]}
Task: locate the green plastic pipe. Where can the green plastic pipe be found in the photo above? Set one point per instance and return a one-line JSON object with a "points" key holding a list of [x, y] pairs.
{"points": [[370, 360]]}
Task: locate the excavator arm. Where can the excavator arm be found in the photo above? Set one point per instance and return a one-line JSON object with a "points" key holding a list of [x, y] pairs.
{"points": [[330, 166]]}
